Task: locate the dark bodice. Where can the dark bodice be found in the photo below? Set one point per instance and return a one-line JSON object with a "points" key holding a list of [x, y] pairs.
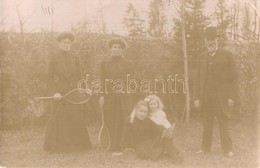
{"points": [[145, 129], [140, 131], [63, 72], [114, 70]]}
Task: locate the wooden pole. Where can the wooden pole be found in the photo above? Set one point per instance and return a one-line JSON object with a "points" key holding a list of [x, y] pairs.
{"points": [[258, 36], [52, 11], [255, 16], [1, 94], [186, 72]]}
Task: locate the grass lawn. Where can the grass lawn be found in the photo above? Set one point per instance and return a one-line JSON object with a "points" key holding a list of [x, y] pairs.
{"points": [[23, 148]]}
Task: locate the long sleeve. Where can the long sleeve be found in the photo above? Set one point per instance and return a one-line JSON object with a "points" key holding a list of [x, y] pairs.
{"points": [[226, 72], [233, 83], [166, 124], [160, 119], [78, 69]]}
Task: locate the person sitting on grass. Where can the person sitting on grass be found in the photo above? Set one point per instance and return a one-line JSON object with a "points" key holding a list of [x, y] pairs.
{"points": [[156, 114], [147, 139]]}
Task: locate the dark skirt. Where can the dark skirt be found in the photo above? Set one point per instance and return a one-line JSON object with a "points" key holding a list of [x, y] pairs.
{"points": [[116, 110], [155, 147], [66, 130]]}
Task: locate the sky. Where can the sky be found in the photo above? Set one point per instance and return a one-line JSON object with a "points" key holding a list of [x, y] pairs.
{"points": [[70, 12]]}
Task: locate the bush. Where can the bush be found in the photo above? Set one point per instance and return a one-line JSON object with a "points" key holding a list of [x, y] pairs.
{"points": [[24, 65]]}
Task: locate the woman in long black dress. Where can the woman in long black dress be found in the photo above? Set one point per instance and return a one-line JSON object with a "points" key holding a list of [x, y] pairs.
{"points": [[66, 130], [149, 140], [117, 105]]}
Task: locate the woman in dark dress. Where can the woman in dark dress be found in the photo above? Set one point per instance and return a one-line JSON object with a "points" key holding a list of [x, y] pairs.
{"points": [[142, 134], [149, 140], [66, 129], [117, 105]]}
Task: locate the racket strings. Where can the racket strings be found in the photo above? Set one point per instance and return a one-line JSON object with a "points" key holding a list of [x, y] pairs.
{"points": [[104, 134], [104, 139], [77, 97]]}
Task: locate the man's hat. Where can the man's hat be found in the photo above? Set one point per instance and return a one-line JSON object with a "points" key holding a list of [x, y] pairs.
{"points": [[65, 35], [211, 33], [119, 41]]}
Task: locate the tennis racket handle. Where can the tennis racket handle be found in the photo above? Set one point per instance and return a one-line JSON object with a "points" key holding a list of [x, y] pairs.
{"points": [[44, 98]]}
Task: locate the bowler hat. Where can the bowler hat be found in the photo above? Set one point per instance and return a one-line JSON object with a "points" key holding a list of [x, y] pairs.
{"points": [[211, 32], [65, 35]]}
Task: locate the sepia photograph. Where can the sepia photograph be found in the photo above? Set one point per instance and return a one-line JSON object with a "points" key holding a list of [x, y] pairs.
{"points": [[130, 83]]}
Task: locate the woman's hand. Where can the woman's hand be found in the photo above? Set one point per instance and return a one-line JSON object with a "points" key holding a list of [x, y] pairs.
{"points": [[132, 117], [168, 133], [231, 102], [57, 96], [197, 103]]}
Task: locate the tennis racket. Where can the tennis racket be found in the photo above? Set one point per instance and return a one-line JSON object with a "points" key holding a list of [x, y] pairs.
{"points": [[74, 96], [104, 139]]}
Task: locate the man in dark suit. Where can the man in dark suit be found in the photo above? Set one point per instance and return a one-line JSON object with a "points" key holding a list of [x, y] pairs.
{"points": [[215, 90]]}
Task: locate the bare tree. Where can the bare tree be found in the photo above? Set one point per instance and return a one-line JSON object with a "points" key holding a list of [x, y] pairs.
{"points": [[223, 17], [22, 20], [258, 37], [2, 26], [253, 5], [234, 19], [246, 22], [104, 25], [2, 17], [186, 70], [255, 15]]}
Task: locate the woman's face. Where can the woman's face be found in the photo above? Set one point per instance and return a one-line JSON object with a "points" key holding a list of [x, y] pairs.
{"points": [[65, 44], [116, 50], [153, 105], [142, 112]]}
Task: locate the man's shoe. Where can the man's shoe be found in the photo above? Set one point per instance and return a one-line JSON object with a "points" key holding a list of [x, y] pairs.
{"points": [[202, 152], [229, 154]]}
